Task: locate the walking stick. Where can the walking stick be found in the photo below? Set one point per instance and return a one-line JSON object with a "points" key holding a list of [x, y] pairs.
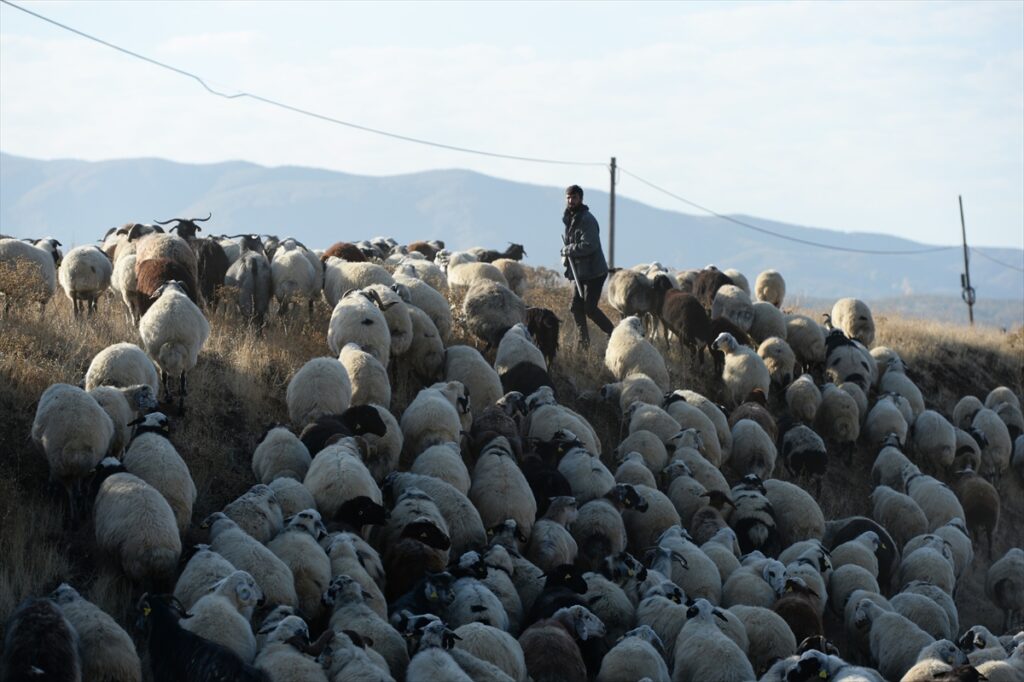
{"points": [[572, 269]]}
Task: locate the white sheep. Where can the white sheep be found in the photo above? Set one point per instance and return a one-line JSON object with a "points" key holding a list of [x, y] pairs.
{"points": [[336, 475], [319, 387], [517, 346], [27, 272], [732, 303], [753, 451], [342, 276], [770, 637], [173, 331], [496, 646], [770, 287], [704, 652], [696, 573], [351, 612], [74, 433], [431, 273], [431, 418], [738, 279], [358, 318], [715, 414], [224, 614], [768, 321], [551, 543], [204, 569], [291, 495], [654, 419], [382, 453], [547, 417], [797, 515], [995, 456], [636, 654], [635, 388], [153, 458], [628, 352], [491, 309], [466, 365], [924, 613], [859, 551], [689, 416], [779, 359], [124, 406], [898, 513], [134, 523], [247, 554], [123, 365], [465, 527], [926, 557], [428, 299], [464, 275], [257, 512], [743, 371], [85, 274], [367, 374], [515, 274], [279, 454], [396, 313], [807, 339], [648, 445], [292, 275], [1003, 586], [499, 489], [896, 381], [125, 284], [885, 418], [633, 469], [938, 502], [933, 440], [297, 547], [854, 317], [895, 640], [280, 658], [955, 533], [107, 651]]}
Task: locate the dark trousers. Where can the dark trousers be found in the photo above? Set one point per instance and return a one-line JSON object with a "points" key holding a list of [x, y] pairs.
{"points": [[585, 307]]}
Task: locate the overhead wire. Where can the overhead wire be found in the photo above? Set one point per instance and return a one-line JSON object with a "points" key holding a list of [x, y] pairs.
{"points": [[762, 230], [300, 110], [995, 260]]}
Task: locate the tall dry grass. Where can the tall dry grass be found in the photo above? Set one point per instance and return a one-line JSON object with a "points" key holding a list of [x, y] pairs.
{"points": [[238, 388]]}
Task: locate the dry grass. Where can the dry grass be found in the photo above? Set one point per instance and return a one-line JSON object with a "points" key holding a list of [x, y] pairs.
{"points": [[239, 386]]}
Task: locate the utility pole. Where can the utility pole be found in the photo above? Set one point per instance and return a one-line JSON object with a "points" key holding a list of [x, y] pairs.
{"points": [[965, 278], [611, 218]]}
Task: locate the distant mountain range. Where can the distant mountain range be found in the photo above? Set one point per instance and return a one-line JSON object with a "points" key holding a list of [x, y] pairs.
{"points": [[76, 201]]}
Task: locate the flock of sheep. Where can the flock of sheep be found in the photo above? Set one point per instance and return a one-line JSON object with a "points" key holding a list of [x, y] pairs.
{"points": [[486, 532]]}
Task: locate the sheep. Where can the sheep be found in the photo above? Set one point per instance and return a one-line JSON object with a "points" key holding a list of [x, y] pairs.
{"points": [[891, 467], [432, 418], [474, 602], [84, 275], [428, 299], [173, 331], [688, 416], [704, 652], [933, 440], [759, 582], [753, 451], [466, 365], [707, 521], [691, 569], [125, 285], [684, 315], [715, 414], [351, 611], [635, 388], [633, 469], [40, 643], [995, 455], [367, 374], [586, 474], [550, 649], [516, 347], [544, 326], [926, 557], [968, 452], [895, 640], [336, 475], [722, 548], [359, 318], [938, 502], [769, 635], [74, 433], [651, 418], [807, 339], [443, 461], [854, 317], [123, 406], [599, 529], [733, 304], [280, 454], [152, 457], [843, 530], [494, 646], [954, 532], [211, 260], [321, 386], [633, 293], [546, 418], [551, 543], [780, 360], [980, 501], [981, 645], [859, 551], [223, 614], [804, 452], [341, 277], [161, 258], [964, 411], [247, 554], [1003, 586], [463, 275], [291, 495], [106, 650], [257, 512], [176, 654], [770, 287], [297, 547], [899, 513], [282, 656], [136, 525], [755, 407], [699, 467], [491, 309], [248, 284], [936, 658], [292, 275], [743, 371], [838, 419], [706, 284], [499, 490], [768, 321], [121, 365], [847, 359], [896, 381], [27, 273], [629, 353], [644, 527], [397, 314], [1013, 418], [797, 515], [923, 612], [638, 652], [431, 273], [204, 569], [514, 274], [463, 520]]}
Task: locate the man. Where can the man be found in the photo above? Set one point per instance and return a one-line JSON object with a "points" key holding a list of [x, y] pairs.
{"points": [[582, 241]]}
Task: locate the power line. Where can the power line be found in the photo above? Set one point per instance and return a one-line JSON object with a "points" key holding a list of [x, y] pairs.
{"points": [[762, 230], [995, 260], [299, 110]]}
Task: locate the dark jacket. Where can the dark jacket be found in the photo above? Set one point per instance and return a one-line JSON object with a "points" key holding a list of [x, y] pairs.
{"points": [[583, 238]]}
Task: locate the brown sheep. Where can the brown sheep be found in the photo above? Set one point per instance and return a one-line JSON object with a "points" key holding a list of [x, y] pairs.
{"points": [[685, 317], [425, 248], [345, 251], [152, 274], [980, 501], [755, 408], [549, 645], [544, 325], [798, 606], [708, 282]]}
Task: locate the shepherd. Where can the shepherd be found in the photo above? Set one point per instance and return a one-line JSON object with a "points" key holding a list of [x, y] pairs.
{"points": [[585, 264]]}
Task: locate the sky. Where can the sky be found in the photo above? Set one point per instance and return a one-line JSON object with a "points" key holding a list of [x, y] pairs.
{"points": [[853, 116]]}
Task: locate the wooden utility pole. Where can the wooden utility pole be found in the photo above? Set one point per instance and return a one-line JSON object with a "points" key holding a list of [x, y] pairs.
{"points": [[965, 278], [611, 218]]}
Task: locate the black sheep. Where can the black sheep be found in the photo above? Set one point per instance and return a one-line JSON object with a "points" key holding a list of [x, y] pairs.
{"points": [[544, 326], [40, 644], [525, 377], [177, 655], [355, 421]]}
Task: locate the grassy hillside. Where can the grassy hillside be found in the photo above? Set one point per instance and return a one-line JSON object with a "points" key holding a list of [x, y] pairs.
{"points": [[239, 386]]}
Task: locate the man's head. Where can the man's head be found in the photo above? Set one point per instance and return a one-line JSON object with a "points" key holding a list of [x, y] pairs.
{"points": [[573, 196]]}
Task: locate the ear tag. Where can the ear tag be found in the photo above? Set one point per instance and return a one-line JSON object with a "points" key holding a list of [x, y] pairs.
{"points": [[359, 426], [823, 674], [432, 596], [146, 611], [631, 573]]}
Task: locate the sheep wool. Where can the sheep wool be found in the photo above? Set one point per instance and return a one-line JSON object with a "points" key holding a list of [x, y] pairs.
{"points": [[319, 387], [628, 352], [368, 376], [107, 651]]}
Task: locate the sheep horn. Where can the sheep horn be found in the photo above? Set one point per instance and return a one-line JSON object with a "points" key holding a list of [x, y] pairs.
{"points": [[165, 222], [202, 220]]}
